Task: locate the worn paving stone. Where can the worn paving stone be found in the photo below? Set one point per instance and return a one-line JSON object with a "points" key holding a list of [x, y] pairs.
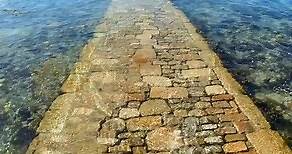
{"points": [[222, 97], [227, 130], [154, 107], [164, 139], [126, 113], [243, 126], [115, 124], [197, 113], [196, 64], [214, 140], [150, 70], [215, 90], [205, 133], [209, 119], [180, 113], [134, 141], [145, 39], [74, 83], [102, 64], [233, 117], [235, 147], [209, 126], [144, 123], [189, 126], [136, 96], [194, 73], [213, 149], [138, 134], [144, 55], [235, 137], [203, 105], [166, 93], [171, 120], [157, 81], [184, 57], [221, 104], [274, 145]]}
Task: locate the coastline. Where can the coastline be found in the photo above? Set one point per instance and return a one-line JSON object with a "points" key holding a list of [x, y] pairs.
{"points": [[251, 51], [245, 103]]}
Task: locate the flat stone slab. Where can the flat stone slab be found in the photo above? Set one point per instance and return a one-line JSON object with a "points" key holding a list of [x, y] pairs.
{"points": [[164, 139], [235, 147], [74, 83], [157, 81], [170, 92], [150, 70], [103, 63], [215, 90], [154, 107], [275, 143], [127, 113], [144, 55], [196, 64], [144, 123], [195, 73], [54, 121]]}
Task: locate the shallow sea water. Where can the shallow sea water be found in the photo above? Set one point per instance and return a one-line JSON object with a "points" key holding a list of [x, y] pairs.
{"points": [[39, 42], [254, 40]]}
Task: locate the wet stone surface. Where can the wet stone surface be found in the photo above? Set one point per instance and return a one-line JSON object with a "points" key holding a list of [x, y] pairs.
{"points": [[166, 101]]}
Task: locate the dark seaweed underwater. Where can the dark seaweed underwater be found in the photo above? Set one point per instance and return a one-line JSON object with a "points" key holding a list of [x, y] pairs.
{"points": [[39, 42], [254, 40]]}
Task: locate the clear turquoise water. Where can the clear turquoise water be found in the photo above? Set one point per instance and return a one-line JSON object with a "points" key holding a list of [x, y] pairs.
{"points": [[254, 39], [39, 42]]}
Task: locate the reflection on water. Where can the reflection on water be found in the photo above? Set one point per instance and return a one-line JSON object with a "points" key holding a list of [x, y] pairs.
{"points": [[254, 39], [39, 42]]}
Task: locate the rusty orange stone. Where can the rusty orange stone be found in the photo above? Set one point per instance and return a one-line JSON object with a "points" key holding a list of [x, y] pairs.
{"points": [[144, 55], [213, 110], [234, 147], [243, 126], [222, 97], [235, 137], [144, 123], [168, 92], [233, 117]]}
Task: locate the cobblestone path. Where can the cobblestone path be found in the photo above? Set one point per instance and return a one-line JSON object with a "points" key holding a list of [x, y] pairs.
{"points": [[148, 83]]}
